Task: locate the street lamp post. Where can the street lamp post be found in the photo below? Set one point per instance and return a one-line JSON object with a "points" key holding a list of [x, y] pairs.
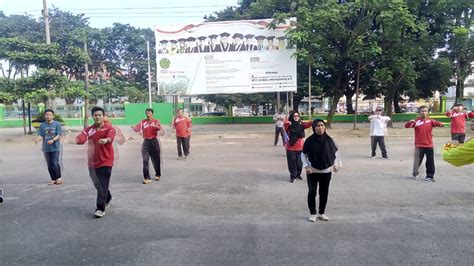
{"points": [[149, 70]]}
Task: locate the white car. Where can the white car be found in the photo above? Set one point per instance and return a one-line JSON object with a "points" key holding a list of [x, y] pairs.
{"points": [[242, 112]]}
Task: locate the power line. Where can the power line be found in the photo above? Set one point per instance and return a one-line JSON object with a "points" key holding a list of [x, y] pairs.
{"points": [[130, 8]]}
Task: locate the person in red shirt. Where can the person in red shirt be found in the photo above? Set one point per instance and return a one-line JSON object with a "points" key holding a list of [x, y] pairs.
{"points": [[182, 128], [458, 122], [424, 142], [294, 128], [188, 139], [100, 157], [149, 128]]}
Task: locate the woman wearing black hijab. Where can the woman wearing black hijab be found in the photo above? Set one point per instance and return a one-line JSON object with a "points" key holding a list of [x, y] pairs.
{"points": [[320, 158], [294, 128]]}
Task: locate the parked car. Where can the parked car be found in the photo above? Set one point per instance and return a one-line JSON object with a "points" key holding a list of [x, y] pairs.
{"points": [[214, 114], [242, 112]]}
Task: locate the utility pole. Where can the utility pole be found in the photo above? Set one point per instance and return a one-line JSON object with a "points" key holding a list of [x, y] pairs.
{"points": [[46, 22], [357, 96], [278, 103], [309, 90], [86, 86], [149, 72]]}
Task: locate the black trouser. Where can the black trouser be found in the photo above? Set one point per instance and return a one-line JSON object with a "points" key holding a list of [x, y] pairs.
{"points": [[460, 137], [381, 141], [313, 179], [101, 179], [52, 160], [295, 165], [188, 143], [181, 141], [430, 166], [151, 148], [279, 131]]}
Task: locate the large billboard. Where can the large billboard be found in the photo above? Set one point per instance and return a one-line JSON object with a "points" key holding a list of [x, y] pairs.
{"points": [[242, 56]]}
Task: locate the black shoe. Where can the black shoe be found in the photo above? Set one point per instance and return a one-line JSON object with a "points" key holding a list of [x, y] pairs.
{"points": [[299, 177], [292, 181], [1, 195]]}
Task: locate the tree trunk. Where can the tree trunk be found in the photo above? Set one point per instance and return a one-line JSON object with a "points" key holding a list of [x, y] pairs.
{"points": [[389, 103], [349, 94], [332, 110], [396, 104], [459, 82]]}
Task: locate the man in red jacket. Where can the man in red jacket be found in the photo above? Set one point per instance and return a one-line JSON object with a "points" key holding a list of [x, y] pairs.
{"points": [[149, 128], [458, 122], [182, 127], [424, 142], [100, 157]]}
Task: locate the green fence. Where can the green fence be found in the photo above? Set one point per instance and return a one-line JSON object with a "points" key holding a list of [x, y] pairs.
{"points": [[134, 112]]}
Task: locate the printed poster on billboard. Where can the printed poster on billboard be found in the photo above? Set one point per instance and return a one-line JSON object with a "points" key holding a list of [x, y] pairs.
{"points": [[226, 57]]}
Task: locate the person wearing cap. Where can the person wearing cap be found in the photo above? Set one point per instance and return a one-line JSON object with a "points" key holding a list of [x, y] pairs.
{"points": [[181, 46], [203, 47], [191, 45], [174, 47], [270, 45], [215, 45], [260, 45], [225, 45], [378, 126], [458, 122], [281, 43], [237, 45], [249, 44], [163, 47]]}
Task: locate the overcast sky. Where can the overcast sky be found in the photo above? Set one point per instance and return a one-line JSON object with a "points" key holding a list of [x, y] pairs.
{"points": [[138, 13]]}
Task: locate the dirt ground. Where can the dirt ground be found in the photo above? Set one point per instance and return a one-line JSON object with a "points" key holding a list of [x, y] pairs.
{"points": [[231, 203]]}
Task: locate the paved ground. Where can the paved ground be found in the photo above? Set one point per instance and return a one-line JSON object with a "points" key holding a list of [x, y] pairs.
{"points": [[230, 204]]}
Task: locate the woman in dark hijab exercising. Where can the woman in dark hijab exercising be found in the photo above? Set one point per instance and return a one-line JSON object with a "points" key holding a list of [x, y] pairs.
{"points": [[294, 128], [320, 157]]}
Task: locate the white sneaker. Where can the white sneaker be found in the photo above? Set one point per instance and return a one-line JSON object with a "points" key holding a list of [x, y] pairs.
{"points": [[99, 213], [323, 217], [312, 218], [416, 177], [372, 157]]}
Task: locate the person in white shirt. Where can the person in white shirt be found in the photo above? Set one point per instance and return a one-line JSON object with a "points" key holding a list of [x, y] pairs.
{"points": [[320, 157], [378, 126], [279, 119]]}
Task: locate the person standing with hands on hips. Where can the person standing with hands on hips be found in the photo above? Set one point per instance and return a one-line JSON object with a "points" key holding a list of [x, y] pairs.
{"points": [[320, 157], [378, 126], [100, 159], [149, 128], [50, 133]]}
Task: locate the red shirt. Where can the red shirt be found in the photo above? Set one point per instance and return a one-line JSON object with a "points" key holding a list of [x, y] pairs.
{"points": [[458, 121], [98, 154], [298, 146], [150, 128], [423, 131], [182, 125]]}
